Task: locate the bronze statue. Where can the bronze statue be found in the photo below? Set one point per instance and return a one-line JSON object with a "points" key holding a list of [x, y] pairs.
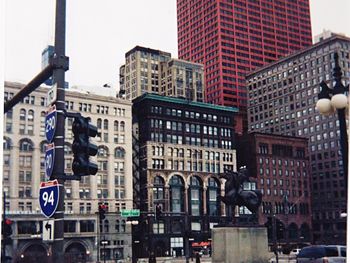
{"points": [[234, 192]]}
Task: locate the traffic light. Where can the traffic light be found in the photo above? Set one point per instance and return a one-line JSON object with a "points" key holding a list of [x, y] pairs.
{"points": [[102, 211], [7, 230], [158, 211], [82, 148]]}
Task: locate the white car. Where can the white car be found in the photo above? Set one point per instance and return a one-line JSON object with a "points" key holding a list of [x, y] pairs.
{"points": [[294, 253]]}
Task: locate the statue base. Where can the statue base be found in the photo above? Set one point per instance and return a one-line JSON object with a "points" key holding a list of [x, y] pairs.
{"points": [[239, 245]]}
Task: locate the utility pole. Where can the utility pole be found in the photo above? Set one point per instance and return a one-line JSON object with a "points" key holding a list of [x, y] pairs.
{"points": [[58, 171]]}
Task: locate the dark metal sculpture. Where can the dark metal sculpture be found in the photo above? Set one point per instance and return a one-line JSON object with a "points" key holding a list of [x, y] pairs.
{"points": [[234, 192]]}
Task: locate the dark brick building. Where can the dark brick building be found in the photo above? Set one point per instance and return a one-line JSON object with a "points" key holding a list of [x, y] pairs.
{"points": [[281, 167]]}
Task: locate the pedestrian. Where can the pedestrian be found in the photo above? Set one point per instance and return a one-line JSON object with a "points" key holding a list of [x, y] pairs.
{"points": [[198, 258]]}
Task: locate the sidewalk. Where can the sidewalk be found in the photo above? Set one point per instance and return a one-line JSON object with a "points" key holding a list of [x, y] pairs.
{"points": [[281, 259], [176, 260]]}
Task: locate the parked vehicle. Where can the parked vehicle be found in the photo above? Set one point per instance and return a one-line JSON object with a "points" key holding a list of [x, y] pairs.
{"points": [[322, 254], [294, 253]]}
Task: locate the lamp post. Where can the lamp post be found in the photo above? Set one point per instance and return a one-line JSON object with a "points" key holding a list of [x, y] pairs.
{"points": [[331, 99]]}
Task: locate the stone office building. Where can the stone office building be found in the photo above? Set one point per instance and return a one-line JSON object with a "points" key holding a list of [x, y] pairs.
{"points": [[23, 170], [180, 147], [154, 71], [282, 99]]}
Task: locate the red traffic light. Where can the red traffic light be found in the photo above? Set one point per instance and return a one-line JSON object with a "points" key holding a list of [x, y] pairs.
{"points": [[8, 222]]}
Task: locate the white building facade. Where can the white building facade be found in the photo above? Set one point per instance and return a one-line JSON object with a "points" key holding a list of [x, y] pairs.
{"points": [[23, 170]]}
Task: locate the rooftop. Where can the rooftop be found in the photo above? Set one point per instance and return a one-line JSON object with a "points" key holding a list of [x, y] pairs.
{"points": [[152, 96]]}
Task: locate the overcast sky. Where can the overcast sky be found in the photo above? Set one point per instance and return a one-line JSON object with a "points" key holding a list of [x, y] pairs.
{"points": [[99, 33]]}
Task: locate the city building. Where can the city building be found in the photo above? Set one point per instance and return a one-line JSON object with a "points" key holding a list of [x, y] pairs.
{"points": [[281, 167], [180, 147], [23, 170], [154, 71], [232, 37], [282, 99]]}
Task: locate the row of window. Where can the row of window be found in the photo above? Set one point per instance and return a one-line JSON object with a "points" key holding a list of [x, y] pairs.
{"points": [[178, 139], [189, 114]]}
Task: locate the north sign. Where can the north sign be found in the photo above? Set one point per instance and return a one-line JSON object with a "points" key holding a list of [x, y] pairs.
{"points": [[49, 159], [50, 123], [49, 195]]}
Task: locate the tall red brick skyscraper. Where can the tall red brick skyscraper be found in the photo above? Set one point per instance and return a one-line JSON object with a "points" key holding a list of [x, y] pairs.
{"points": [[233, 37]]}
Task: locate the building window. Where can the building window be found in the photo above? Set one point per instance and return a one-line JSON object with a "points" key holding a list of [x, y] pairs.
{"points": [[177, 193], [213, 191], [158, 228], [195, 192]]}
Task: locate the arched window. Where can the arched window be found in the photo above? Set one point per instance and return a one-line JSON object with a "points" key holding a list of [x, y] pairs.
{"points": [[99, 123], [26, 145], [305, 232], [105, 124], [195, 196], [293, 231], [30, 115], [213, 204], [68, 149], [22, 114], [123, 226], [176, 194], [7, 144], [106, 224], [43, 146], [122, 126], [117, 226], [116, 124], [102, 151], [119, 152], [158, 188]]}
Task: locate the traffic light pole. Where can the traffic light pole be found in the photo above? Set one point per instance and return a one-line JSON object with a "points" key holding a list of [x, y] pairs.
{"points": [[59, 78], [3, 251]]}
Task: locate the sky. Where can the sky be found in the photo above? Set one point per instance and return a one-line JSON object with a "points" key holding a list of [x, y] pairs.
{"points": [[99, 33]]}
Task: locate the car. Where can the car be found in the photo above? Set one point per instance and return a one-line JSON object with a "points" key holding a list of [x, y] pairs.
{"points": [[322, 254], [294, 253]]}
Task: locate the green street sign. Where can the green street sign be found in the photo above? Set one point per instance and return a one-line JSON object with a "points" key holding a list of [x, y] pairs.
{"points": [[130, 212]]}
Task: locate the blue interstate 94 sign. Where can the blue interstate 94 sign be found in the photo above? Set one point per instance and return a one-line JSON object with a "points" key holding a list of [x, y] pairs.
{"points": [[49, 195]]}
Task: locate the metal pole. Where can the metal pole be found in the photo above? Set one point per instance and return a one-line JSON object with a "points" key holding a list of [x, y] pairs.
{"points": [[104, 248], [339, 88], [187, 248], [31, 86], [274, 230], [98, 238], [59, 78], [3, 251], [343, 144]]}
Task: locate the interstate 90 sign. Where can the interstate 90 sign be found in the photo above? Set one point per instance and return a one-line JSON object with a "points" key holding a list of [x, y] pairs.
{"points": [[49, 159], [49, 195], [50, 123]]}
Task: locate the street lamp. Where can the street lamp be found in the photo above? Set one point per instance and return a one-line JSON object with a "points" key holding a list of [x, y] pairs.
{"points": [[330, 100]]}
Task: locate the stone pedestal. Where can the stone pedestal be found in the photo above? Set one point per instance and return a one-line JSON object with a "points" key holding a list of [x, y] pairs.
{"points": [[239, 245]]}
